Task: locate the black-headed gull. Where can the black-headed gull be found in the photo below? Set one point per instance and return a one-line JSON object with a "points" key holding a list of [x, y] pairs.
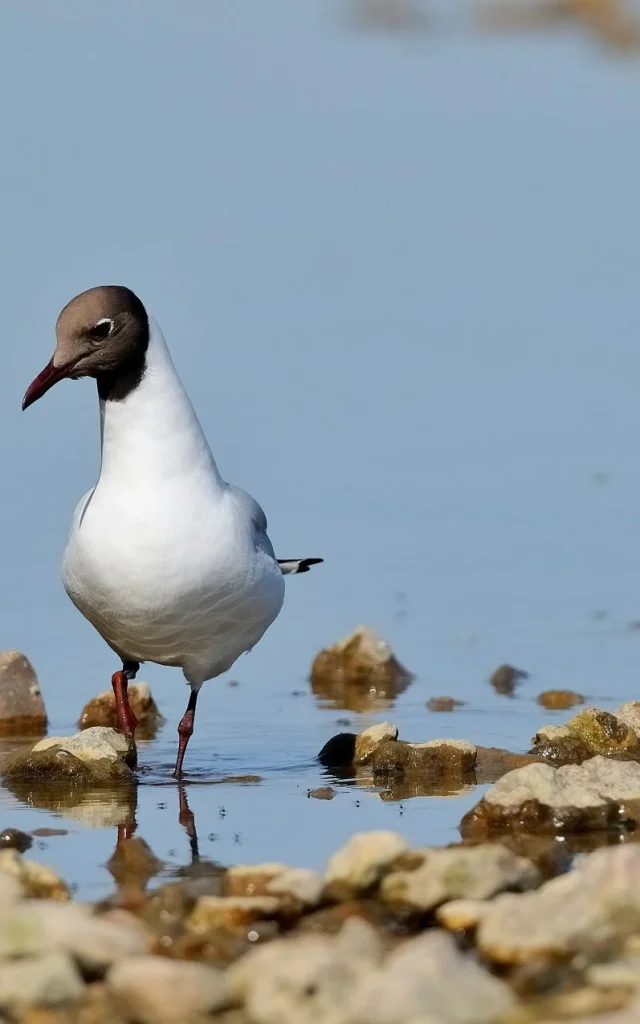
{"points": [[169, 562]]}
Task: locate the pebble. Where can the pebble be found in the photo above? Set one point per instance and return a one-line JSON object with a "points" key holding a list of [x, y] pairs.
{"points": [[559, 700], [49, 980], [322, 793], [14, 839], [235, 913], [299, 884], [156, 990], [36, 880], [251, 880], [438, 704]]}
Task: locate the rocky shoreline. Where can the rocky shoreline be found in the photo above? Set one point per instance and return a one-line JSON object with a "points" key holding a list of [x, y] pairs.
{"points": [[532, 915]]}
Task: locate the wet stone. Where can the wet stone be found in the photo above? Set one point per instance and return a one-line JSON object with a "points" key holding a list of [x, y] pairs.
{"points": [[432, 759], [505, 679], [14, 839], [322, 793], [301, 886], [494, 762], [101, 711], [235, 913], [22, 710], [369, 740], [438, 704], [587, 734], [95, 757], [362, 665], [251, 880], [598, 794], [559, 700], [339, 751]]}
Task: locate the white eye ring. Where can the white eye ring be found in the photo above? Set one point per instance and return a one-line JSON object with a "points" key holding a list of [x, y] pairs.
{"points": [[101, 323]]}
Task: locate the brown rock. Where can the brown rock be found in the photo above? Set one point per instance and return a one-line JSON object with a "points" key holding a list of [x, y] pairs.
{"points": [[494, 762], [37, 880], [370, 740], [322, 793], [589, 733], [559, 700], [101, 710], [435, 759], [251, 880], [233, 913], [361, 667], [444, 703], [155, 990], [505, 678], [22, 710], [14, 839], [599, 794]]}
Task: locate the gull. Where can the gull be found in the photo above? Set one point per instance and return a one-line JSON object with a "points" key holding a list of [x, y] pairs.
{"points": [[169, 562]]}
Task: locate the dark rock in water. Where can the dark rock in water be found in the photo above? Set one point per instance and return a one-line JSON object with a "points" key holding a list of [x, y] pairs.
{"points": [[22, 710], [359, 672], [587, 734], [339, 751], [101, 710], [505, 678], [322, 793], [444, 704], [96, 756], [437, 758], [14, 839], [599, 794], [559, 700]]}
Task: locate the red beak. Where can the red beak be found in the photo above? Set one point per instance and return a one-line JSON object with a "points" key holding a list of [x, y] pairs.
{"points": [[45, 380]]}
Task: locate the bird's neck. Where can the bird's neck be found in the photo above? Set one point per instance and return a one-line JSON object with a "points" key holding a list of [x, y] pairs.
{"points": [[149, 429]]}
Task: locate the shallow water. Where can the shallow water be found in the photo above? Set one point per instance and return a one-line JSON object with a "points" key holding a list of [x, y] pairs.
{"points": [[399, 276]]}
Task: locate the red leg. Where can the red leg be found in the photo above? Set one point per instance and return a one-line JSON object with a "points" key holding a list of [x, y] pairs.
{"points": [[185, 731], [126, 721]]}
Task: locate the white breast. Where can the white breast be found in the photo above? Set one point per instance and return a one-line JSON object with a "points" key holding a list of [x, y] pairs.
{"points": [[163, 557]]}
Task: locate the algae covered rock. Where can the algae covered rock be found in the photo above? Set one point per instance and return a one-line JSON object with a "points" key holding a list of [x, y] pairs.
{"points": [[97, 756], [589, 733], [598, 794]]}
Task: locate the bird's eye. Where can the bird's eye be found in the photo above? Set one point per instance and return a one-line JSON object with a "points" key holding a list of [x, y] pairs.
{"points": [[102, 329]]}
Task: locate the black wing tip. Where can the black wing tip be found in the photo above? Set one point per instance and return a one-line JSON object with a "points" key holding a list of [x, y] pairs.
{"points": [[304, 564]]}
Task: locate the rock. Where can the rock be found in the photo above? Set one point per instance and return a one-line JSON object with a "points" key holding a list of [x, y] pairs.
{"points": [[48, 980], [14, 839], [306, 979], [428, 980], [97, 756], [361, 666], [101, 710], [322, 793], [235, 913], [583, 912], [133, 863], [505, 678], [36, 880], [94, 942], [629, 713], [559, 700], [155, 990], [598, 794], [251, 880], [476, 872], [370, 739], [339, 751], [444, 703], [587, 734], [22, 710], [494, 762], [462, 914], [363, 861], [435, 759], [301, 885]]}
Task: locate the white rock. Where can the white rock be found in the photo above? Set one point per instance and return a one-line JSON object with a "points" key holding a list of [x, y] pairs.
{"points": [[365, 858], [301, 884], [156, 990], [95, 744], [49, 980]]}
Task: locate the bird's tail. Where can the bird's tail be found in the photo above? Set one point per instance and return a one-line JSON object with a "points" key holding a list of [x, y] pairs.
{"points": [[290, 566]]}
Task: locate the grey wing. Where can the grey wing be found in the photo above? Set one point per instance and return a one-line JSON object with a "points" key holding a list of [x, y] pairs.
{"points": [[255, 513]]}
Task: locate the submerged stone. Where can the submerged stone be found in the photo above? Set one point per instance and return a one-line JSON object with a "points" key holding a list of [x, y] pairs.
{"points": [[361, 667], [97, 756]]}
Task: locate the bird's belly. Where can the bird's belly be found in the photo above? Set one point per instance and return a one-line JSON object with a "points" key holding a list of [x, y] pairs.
{"points": [[170, 604]]}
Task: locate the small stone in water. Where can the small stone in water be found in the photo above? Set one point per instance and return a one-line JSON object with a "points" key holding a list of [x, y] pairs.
{"points": [[444, 703], [559, 700], [505, 677], [13, 838], [322, 793]]}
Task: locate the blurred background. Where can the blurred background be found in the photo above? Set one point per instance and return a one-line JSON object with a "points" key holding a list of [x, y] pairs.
{"points": [[394, 250]]}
